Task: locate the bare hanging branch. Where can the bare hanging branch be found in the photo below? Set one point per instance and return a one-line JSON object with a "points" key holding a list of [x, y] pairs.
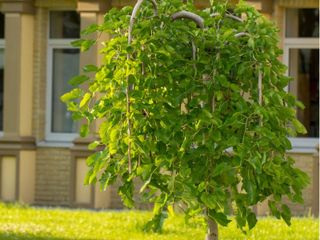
{"points": [[241, 34], [234, 17], [260, 88], [194, 54], [155, 7], [214, 14], [189, 15], [228, 15], [133, 18]]}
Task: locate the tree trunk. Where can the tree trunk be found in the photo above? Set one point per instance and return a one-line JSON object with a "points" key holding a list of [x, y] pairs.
{"points": [[212, 230]]}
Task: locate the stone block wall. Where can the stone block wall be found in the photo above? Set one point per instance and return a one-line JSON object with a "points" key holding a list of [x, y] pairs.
{"points": [[53, 177]]}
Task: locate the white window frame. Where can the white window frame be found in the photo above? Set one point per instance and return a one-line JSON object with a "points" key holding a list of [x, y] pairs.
{"points": [[55, 44], [303, 144]]}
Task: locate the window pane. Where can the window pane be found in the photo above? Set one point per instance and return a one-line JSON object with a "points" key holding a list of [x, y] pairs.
{"points": [[1, 87], [302, 22], [304, 68], [65, 66], [1, 25], [64, 24]]}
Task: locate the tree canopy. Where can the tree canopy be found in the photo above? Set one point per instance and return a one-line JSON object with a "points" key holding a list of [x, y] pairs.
{"points": [[194, 105]]}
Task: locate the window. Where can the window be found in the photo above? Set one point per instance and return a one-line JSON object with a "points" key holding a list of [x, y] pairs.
{"points": [[2, 46], [63, 64], [301, 54]]}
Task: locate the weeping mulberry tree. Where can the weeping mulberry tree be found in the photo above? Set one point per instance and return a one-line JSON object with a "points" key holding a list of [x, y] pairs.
{"points": [[192, 103]]}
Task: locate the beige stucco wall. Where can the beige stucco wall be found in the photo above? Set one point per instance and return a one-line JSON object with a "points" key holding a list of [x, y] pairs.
{"points": [[27, 176], [82, 192], [8, 181]]}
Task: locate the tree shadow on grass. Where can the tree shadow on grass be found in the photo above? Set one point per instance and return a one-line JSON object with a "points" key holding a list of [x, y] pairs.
{"points": [[28, 236]]}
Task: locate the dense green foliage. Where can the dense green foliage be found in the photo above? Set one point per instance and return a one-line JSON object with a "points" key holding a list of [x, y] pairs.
{"points": [[25, 223], [200, 137]]}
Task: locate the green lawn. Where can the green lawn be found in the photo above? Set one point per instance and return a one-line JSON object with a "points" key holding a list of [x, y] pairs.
{"points": [[18, 222]]}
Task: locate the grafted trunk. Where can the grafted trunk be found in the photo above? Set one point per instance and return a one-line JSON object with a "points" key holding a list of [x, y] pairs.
{"points": [[212, 233]]}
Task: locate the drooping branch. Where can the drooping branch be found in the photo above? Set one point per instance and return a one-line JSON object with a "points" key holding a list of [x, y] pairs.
{"points": [[194, 55], [214, 14], [133, 18], [132, 21], [241, 34], [134, 15], [189, 15], [155, 7], [234, 17], [260, 88], [228, 15]]}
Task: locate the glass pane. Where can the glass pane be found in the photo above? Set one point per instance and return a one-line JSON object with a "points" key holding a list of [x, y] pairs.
{"points": [[1, 86], [302, 22], [1, 25], [64, 24], [65, 66], [304, 68]]}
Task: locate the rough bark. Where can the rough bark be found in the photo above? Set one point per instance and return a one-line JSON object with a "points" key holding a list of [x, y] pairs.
{"points": [[212, 233]]}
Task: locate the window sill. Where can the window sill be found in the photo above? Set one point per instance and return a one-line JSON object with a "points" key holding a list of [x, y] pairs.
{"points": [[304, 145], [55, 144]]}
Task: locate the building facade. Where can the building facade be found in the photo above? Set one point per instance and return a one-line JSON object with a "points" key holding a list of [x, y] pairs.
{"points": [[42, 159]]}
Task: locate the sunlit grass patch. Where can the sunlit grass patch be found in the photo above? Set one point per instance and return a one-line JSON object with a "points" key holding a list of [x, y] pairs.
{"points": [[20, 222]]}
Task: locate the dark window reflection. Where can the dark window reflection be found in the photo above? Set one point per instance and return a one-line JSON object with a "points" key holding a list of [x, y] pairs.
{"points": [[1, 25], [304, 68], [302, 22], [64, 24]]}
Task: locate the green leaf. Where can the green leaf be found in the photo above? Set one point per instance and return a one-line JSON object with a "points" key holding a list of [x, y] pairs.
{"points": [[78, 80], [126, 194], [274, 210], [299, 126], [146, 183], [83, 44], [157, 222], [93, 145], [90, 177], [73, 94], [300, 105], [90, 29], [250, 189], [252, 220], [219, 217], [84, 130], [228, 33], [216, 135], [85, 100], [219, 95], [251, 43], [286, 214], [209, 200], [220, 168], [90, 68]]}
